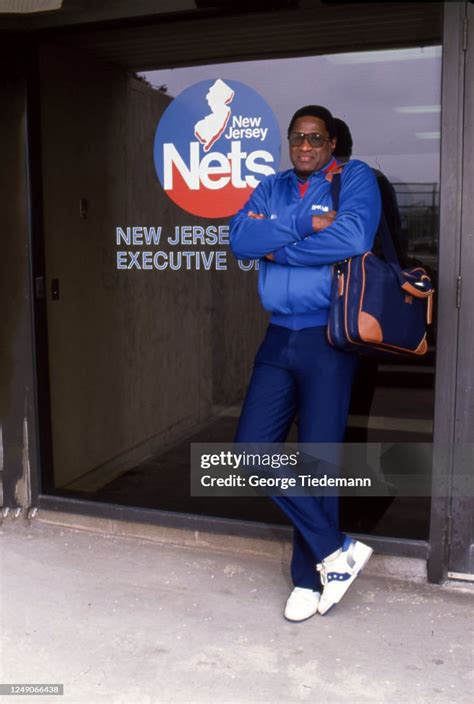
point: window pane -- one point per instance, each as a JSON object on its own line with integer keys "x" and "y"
{"x": 150, "y": 352}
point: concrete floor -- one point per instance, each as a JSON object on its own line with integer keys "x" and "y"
{"x": 123, "y": 620}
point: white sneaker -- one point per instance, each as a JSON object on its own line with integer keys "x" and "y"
{"x": 302, "y": 604}
{"x": 339, "y": 570}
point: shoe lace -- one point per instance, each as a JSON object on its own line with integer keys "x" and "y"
{"x": 323, "y": 573}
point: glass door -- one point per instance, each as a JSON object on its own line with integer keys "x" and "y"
{"x": 152, "y": 326}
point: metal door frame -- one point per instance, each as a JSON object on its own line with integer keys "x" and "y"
{"x": 452, "y": 199}
{"x": 461, "y": 535}
{"x": 452, "y": 146}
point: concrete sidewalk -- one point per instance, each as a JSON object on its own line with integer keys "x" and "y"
{"x": 124, "y": 620}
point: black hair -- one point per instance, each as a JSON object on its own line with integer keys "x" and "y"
{"x": 344, "y": 139}
{"x": 315, "y": 111}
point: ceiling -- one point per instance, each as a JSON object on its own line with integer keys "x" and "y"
{"x": 147, "y": 34}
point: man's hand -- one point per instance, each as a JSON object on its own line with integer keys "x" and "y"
{"x": 320, "y": 222}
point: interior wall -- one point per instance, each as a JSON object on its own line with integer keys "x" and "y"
{"x": 238, "y": 325}
{"x": 125, "y": 348}
{"x": 137, "y": 358}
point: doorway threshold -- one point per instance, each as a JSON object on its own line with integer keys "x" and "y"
{"x": 396, "y": 558}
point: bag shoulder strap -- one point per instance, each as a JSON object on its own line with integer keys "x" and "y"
{"x": 335, "y": 190}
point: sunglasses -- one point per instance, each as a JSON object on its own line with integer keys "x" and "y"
{"x": 314, "y": 139}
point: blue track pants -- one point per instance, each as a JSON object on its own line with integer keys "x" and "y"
{"x": 297, "y": 373}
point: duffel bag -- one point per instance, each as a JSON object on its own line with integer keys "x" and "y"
{"x": 376, "y": 306}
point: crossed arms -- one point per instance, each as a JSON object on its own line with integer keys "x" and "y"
{"x": 310, "y": 240}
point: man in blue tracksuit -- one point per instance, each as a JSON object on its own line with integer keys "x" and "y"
{"x": 290, "y": 226}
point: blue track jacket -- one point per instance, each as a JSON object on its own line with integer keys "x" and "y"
{"x": 296, "y": 286}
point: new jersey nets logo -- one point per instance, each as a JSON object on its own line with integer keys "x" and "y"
{"x": 213, "y": 145}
